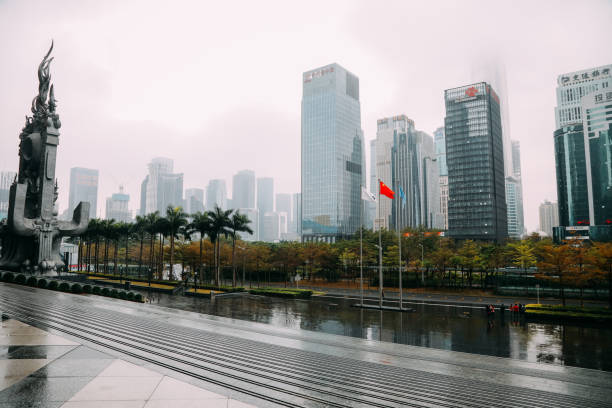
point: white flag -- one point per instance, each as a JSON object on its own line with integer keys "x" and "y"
{"x": 366, "y": 195}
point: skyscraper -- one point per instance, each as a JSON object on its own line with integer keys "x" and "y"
{"x": 333, "y": 163}
{"x": 549, "y": 217}
{"x": 415, "y": 174}
{"x": 387, "y": 129}
{"x": 243, "y": 189}
{"x": 265, "y": 194}
{"x": 6, "y": 179}
{"x": 216, "y": 194}
{"x": 253, "y": 216}
{"x": 117, "y": 207}
{"x": 194, "y": 200}
{"x": 283, "y": 204}
{"x": 475, "y": 160}
{"x": 163, "y": 187}
{"x": 370, "y": 207}
{"x": 83, "y": 187}
{"x": 571, "y": 156}
{"x": 440, "y": 145}
{"x": 514, "y": 186}
{"x": 296, "y": 214}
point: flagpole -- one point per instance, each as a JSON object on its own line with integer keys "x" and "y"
{"x": 399, "y": 238}
{"x": 380, "y": 272}
{"x": 361, "y": 248}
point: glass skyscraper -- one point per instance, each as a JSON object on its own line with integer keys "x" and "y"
{"x": 475, "y": 160}
{"x": 333, "y": 162}
{"x": 83, "y": 187}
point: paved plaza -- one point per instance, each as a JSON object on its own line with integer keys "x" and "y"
{"x": 65, "y": 350}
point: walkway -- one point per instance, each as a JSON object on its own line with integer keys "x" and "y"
{"x": 267, "y": 366}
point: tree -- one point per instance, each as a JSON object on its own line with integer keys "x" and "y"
{"x": 237, "y": 223}
{"x": 202, "y": 224}
{"x": 602, "y": 258}
{"x": 162, "y": 227}
{"x": 176, "y": 219}
{"x": 122, "y": 230}
{"x": 470, "y": 254}
{"x": 219, "y": 221}
{"x": 556, "y": 260}
{"x": 139, "y": 229}
{"x": 441, "y": 258}
{"x": 151, "y": 221}
{"x": 523, "y": 254}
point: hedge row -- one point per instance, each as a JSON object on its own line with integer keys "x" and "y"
{"x": 43, "y": 283}
{"x": 228, "y": 289}
{"x": 128, "y": 278}
{"x": 284, "y": 293}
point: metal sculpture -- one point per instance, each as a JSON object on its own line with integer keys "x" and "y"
{"x": 31, "y": 234}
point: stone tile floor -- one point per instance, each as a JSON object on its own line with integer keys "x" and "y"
{"x": 40, "y": 369}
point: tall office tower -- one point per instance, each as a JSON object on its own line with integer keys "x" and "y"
{"x": 597, "y": 120}
{"x": 164, "y": 188}
{"x": 83, "y": 187}
{"x": 516, "y": 159}
{"x": 243, "y": 189}
{"x": 194, "y": 200}
{"x": 6, "y": 179}
{"x": 143, "y": 196}
{"x": 253, "y": 216}
{"x": 283, "y": 204}
{"x": 333, "y": 162}
{"x": 270, "y": 227}
{"x": 440, "y": 145}
{"x": 296, "y": 213}
{"x": 117, "y": 207}
{"x": 216, "y": 195}
{"x": 265, "y": 195}
{"x": 513, "y": 195}
{"x": 569, "y": 140}
{"x": 386, "y": 132}
{"x": 370, "y": 207}
{"x": 475, "y": 160}
{"x": 415, "y": 173}
{"x": 549, "y": 217}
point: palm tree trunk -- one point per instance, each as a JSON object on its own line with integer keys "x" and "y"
{"x": 233, "y": 261}
{"x": 127, "y": 249}
{"x": 161, "y": 257}
{"x": 140, "y": 254}
{"x": 171, "y": 256}
{"x": 200, "y": 264}
{"x": 151, "y": 253}
{"x": 105, "y": 255}
{"x": 96, "y": 255}
{"x": 116, "y": 256}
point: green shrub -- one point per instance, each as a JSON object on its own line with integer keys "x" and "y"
{"x": 138, "y": 297}
{"x": 8, "y": 277}
{"x": 281, "y": 292}
{"x": 130, "y": 296}
{"x": 53, "y": 285}
{"x": 96, "y": 290}
{"x": 31, "y": 281}
{"x": 86, "y": 288}
{"x": 42, "y": 283}
{"x": 64, "y": 286}
{"x": 114, "y": 293}
{"x": 20, "y": 279}
{"x": 122, "y": 295}
{"x": 105, "y": 292}
{"x": 76, "y": 288}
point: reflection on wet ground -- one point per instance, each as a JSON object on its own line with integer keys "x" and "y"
{"x": 443, "y": 327}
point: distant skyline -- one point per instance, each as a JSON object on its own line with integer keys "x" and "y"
{"x": 217, "y": 87}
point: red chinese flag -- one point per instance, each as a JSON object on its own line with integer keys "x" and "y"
{"x": 386, "y": 191}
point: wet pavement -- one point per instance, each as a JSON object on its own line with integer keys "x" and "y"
{"x": 275, "y": 366}
{"x": 447, "y": 327}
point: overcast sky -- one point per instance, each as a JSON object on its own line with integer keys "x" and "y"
{"x": 217, "y": 86}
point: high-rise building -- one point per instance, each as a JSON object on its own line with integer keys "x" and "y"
{"x": 270, "y": 227}
{"x": 516, "y": 159}
{"x": 163, "y": 187}
{"x": 117, "y": 207}
{"x": 265, "y": 195}
{"x": 475, "y": 160}
{"x": 370, "y": 207}
{"x": 216, "y": 195}
{"x": 386, "y": 132}
{"x": 296, "y": 214}
{"x": 194, "y": 200}
{"x": 333, "y": 162}
{"x": 283, "y": 204}
{"x": 414, "y": 172}
{"x": 549, "y": 217}
{"x": 243, "y": 189}
{"x": 6, "y": 179}
{"x": 253, "y": 216}
{"x": 143, "y": 196}
{"x": 440, "y": 145}
{"x": 513, "y": 195}
{"x": 83, "y": 187}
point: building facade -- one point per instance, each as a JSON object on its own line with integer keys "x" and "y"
{"x": 296, "y": 214}
{"x": 6, "y": 179}
{"x": 253, "y": 215}
{"x": 194, "y": 200}
{"x": 549, "y": 217}
{"x": 216, "y": 194}
{"x": 440, "y": 146}
{"x": 283, "y": 204}
{"x": 243, "y": 189}
{"x": 162, "y": 187}
{"x": 516, "y": 217}
{"x": 83, "y": 187}
{"x": 117, "y": 207}
{"x": 475, "y": 160}
{"x": 333, "y": 163}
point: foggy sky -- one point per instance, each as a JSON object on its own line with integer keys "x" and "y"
{"x": 217, "y": 87}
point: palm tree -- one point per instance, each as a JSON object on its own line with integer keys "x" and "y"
{"x": 90, "y": 235}
{"x": 139, "y": 228}
{"x": 219, "y": 221}
{"x": 201, "y": 223}
{"x": 162, "y": 228}
{"x": 122, "y": 230}
{"x": 176, "y": 219}
{"x": 151, "y": 220}
{"x": 237, "y": 223}
{"x": 107, "y": 227}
